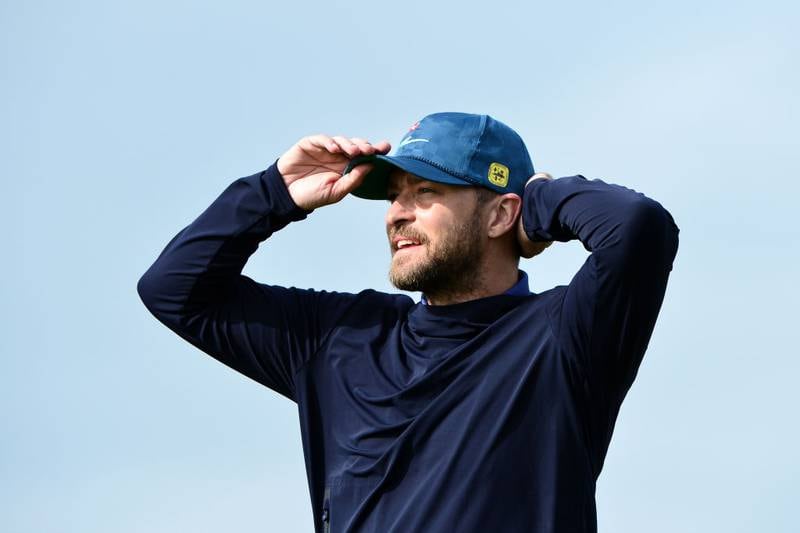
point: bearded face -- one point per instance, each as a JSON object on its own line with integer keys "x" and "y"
{"x": 445, "y": 259}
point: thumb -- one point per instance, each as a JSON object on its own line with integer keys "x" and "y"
{"x": 350, "y": 181}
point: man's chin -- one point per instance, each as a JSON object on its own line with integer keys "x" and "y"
{"x": 401, "y": 281}
{"x": 404, "y": 277}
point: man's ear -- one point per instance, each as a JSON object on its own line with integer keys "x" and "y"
{"x": 503, "y": 215}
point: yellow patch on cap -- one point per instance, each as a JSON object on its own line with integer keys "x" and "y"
{"x": 498, "y": 174}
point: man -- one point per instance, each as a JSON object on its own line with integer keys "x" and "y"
{"x": 484, "y": 407}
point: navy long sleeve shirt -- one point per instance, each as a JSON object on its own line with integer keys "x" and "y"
{"x": 489, "y": 415}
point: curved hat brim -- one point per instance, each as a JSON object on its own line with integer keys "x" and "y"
{"x": 376, "y": 182}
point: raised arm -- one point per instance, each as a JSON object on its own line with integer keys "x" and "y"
{"x": 609, "y": 309}
{"x": 196, "y": 288}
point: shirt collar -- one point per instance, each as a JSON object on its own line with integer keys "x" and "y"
{"x": 520, "y": 288}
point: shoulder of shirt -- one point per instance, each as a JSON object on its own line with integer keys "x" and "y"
{"x": 371, "y": 308}
{"x": 366, "y": 297}
{"x": 377, "y": 297}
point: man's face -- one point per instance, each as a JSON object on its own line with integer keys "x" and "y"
{"x": 435, "y": 235}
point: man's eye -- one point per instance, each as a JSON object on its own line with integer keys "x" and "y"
{"x": 426, "y": 189}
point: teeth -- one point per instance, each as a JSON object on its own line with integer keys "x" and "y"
{"x": 402, "y": 243}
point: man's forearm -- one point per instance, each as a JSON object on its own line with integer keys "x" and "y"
{"x": 198, "y": 265}
{"x": 602, "y": 216}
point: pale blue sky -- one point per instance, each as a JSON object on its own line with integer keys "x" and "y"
{"x": 122, "y": 121}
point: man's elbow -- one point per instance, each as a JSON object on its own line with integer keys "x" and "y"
{"x": 651, "y": 232}
{"x": 147, "y": 287}
{"x": 155, "y": 294}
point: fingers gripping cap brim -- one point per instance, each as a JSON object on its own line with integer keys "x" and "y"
{"x": 375, "y": 184}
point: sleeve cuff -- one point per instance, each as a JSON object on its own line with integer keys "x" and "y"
{"x": 276, "y": 186}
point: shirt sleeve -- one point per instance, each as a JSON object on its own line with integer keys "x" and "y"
{"x": 609, "y": 309}
{"x": 195, "y": 287}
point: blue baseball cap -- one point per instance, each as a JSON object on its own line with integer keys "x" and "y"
{"x": 453, "y": 148}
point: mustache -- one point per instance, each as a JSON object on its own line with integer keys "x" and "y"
{"x": 406, "y": 233}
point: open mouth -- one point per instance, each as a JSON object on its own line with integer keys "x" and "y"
{"x": 407, "y": 244}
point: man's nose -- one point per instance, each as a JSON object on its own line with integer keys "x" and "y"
{"x": 400, "y": 211}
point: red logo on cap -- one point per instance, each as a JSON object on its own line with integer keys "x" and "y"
{"x": 414, "y": 126}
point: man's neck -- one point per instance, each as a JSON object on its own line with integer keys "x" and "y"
{"x": 497, "y": 283}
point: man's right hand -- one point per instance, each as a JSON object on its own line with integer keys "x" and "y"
{"x": 312, "y": 168}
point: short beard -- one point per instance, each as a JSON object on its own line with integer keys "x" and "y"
{"x": 452, "y": 269}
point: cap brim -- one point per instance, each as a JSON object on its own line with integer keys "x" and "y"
{"x": 376, "y": 182}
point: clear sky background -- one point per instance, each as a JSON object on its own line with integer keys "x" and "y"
{"x": 121, "y": 121}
